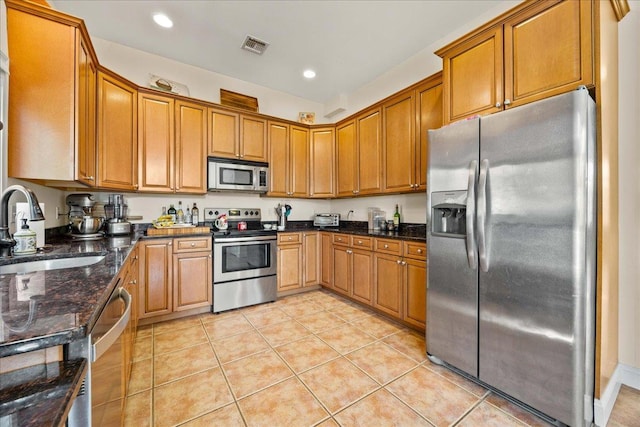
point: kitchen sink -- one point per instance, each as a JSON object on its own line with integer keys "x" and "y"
{"x": 50, "y": 264}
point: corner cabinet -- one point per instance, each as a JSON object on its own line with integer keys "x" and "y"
{"x": 540, "y": 50}
{"x": 322, "y": 163}
{"x": 288, "y": 160}
{"x": 117, "y": 133}
{"x": 52, "y": 81}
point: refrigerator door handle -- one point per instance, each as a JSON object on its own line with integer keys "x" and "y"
{"x": 470, "y": 216}
{"x": 482, "y": 215}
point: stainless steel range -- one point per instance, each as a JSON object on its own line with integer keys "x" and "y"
{"x": 244, "y": 259}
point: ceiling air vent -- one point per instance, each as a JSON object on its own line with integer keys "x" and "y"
{"x": 254, "y": 45}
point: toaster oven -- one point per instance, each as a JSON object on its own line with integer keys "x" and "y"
{"x": 326, "y": 220}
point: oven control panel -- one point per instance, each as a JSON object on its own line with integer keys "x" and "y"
{"x": 233, "y": 214}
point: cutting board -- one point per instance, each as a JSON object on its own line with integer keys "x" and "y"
{"x": 170, "y": 231}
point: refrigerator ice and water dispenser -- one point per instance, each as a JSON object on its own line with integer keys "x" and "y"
{"x": 449, "y": 213}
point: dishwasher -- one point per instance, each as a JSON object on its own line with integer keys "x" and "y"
{"x": 101, "y": 399}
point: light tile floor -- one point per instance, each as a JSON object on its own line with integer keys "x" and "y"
{"x": 312, "y": 359}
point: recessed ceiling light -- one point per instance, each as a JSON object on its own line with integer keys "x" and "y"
{"x": 309, "y": 74}
{"x": 163, "y": 20}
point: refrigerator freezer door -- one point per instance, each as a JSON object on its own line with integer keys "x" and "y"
{"x": 452, "y": 303}
{"x": 536, "y": 294}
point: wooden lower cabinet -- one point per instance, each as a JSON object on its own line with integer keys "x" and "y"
{"x": 388, "y": 284}
{"x": 361, "y": 268}
{"x": 342, "y": 269}
{"x": 298, "y": 260}
{"x": 415, "y": 292}
{"x": 326, "y": 263}
{"x": 175, "y": 275}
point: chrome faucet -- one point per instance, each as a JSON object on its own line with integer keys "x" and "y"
{"x": 6, "y": 241}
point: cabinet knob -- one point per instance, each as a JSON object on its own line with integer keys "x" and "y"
{"x": 241, "y": 155}
{"x": 170, "y": 244}
{"x": 353, "y": 191}
{"x": 404, "y": 263}
{"x": 507, "y": 102}
{"x": 498, "y": 105}
{"x": 89, "y": 178}
{"x": 386, "y": 246}
{"x": 398, "y": 262}
{"x": 193, "y": 244}
{"x": 210, "y": 256}
{"x": 419, "y": 251}
{"x": 359, "y": 242}
{"x": 349, "y": 251}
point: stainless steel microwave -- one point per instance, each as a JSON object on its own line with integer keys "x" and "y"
{"x": 237, "y": 175}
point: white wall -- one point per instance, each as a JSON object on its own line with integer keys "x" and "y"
{"x": 136, "y": 66}
{"x": 629, "y": 177}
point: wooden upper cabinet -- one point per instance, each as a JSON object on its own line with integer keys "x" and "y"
{"x": 253, "y": 138}
{"x": 299, "y": 162}
{"x": 472, "y": 76}
{"x": 224, "y": 133}
{"x": 191, "y": 147}
{"x": 156, "y": 158}
{"x": 51, "y": 112}
{"x": 237, "y": 136}
{"x": 346, "y": 159}
{"x": 117, "y": 133}
{"x": 278, "y": 134}
{"x": 399, "y": 143}
{"x": 369, "y": 136}
{"x": 540, "y": 50}
{"x": 548, "y": 50}
{"x": 322, "y": 161}
{"x": 87, "y": 87}
{"x": 428, "y": 116}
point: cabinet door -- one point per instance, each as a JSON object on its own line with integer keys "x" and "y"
{"x": 289, "y": 267}
{"x": 117, "y": 134}
{"x": 369, "y": 152}
{"x": 429, "y": 115}
{"x": 322, "y": 156}
{"x": 362, "y": 268}
{"x": 299, "y": 162}
{"x": 415, "y": 292}
{"x": 472, "y": 76}
{"x": 342, "y": 269}
{"x": 253, "y": 139}
{"x": 326, "y": 275}
{"x": 224, "y": 133}
{"x": 399, "y": 143}
{"x": 387, "y": 279}
{"x": 156, "y": 144}
{"x": 548, "y": 50}
{"x": 86, "y": 160}
{"x": 278, "y": 159}
{"x": 311, "y": 258}
{"x": 192, "y": 284}
{"x": 346, "y": 160}
{"x": 191, "y": 151}
{"x": 155, "y": 278}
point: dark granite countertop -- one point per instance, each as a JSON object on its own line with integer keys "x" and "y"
{"x": 47, "y": 308}
{"x": 41, "y": 395}
{"x": 416, "y": 232}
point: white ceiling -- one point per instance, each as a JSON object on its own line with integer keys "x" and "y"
{"x": 348, "y": 43}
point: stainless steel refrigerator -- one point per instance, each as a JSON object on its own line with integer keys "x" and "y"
{"x": 511, "y": 252}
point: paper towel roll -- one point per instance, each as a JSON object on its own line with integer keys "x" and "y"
{"x": 22, "y": 211}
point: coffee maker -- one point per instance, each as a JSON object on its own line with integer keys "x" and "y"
{"x": 116, "y": 213}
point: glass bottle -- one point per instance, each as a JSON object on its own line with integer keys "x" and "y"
{"x": 195, "y": 215}
{"x": 180, "y": 213}
{"x": 172, "y": 212}
{"x": 396, "y": 219}
{"x": 187, "y": 216}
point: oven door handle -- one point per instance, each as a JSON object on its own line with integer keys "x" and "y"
{"x": 221, "y": 240}
{"x": 105, "y": 341}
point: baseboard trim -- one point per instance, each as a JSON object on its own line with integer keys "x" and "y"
{"x": 623, "y": 374}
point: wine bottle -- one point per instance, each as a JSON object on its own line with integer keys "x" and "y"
{"x": 396, "y": 220}
{"x": 172, "y": 212}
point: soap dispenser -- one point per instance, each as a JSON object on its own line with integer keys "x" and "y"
{"x": 25, "y": 240}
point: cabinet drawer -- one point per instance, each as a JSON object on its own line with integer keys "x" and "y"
{"x": 393, "y": 247}
{"x": 289, "y": 239}
{"x": 192, "y": 244}
{"x": 415, "y": 250}
{"x": 361, "y": 242}
{"x": 341, "y": 239}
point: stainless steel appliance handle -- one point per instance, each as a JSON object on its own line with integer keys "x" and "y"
{"x": 482, "y": 215}
{"x": 471, "y": 214}
{"x": 220, "y": 240}
{"x": 105, "y": 341}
